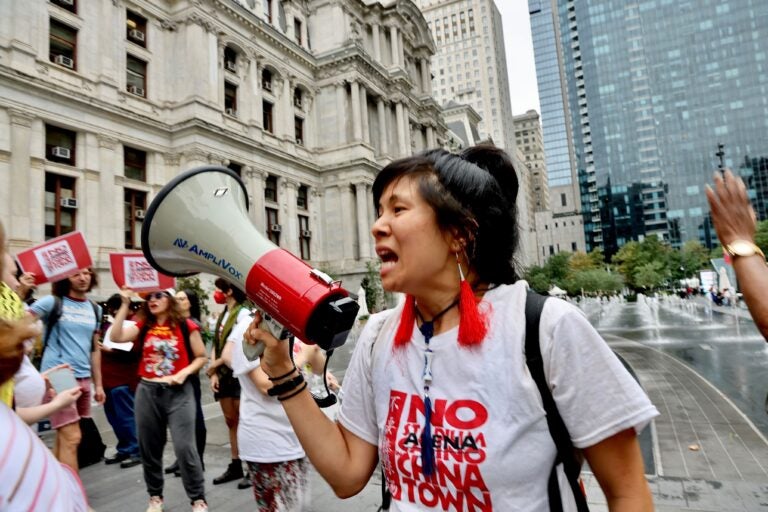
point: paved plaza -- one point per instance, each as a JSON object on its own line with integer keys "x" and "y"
{"x": 705, "y": 452}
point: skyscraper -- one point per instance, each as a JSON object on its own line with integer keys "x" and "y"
{"x": 649, "y": 90}
{"x": 470, "y": 64}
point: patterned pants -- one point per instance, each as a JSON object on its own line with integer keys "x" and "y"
{"x": 280, "y": 486}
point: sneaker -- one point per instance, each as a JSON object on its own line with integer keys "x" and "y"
{"x": 133, "y": 460}
{"x": 234, "y": 472}
{"x": 199, "y": 506}
{"x": 116, "y": 458}
{"x": 245, "y": 483}
{"x": 156, "y": 504}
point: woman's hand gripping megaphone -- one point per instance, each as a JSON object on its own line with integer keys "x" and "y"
{"x": 260, "y": 342}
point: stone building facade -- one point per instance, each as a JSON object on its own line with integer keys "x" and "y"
{"x": 102, "y": 103}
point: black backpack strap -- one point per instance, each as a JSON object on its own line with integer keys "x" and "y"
{"x": 534, "y": 305}
{"x": 52, "y": 320}
{"x": 99, "y": 319}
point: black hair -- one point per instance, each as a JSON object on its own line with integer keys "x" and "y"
{"x": 194, "y": 303}
{"x": 472, "y": 194}
{"x": 62, "y": 287}
{"x": 225, "y": 286}
{"x": 113, "y": 303}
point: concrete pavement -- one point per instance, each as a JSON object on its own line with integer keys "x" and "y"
{"x": 707, "y": 455}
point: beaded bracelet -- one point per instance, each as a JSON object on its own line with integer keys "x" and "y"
{"x": 285, "y": 387}
{"x": 284, "y": 398}
{"x": 273, "y": 379}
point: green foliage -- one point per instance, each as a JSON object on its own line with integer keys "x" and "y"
{"x": 761, "y": 235}
{"x": 634, "y": 258}
{"x": 594, "y": 281}
{"x": 371, "y": 283}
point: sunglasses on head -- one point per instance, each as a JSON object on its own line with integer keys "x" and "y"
{"x": 156, "y": 295}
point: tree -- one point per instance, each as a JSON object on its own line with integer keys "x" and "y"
{"x": 581, "y": 261}
{"x": 761, "y": 236}
{"x": 374, "y": 292}
{"x": 538, "y": 279}
{"x": 594, "y": 281}
{"x": 649, "y": 276}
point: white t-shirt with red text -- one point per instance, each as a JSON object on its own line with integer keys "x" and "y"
{"x": 493, "y": 449}
{"x": 31, "y": 478}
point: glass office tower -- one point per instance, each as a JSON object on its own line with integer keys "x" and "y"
{"x": 658, "y": 85}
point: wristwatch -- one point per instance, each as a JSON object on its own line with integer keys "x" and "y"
{"x": 743, "y": 248}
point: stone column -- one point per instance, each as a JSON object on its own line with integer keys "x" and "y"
{"x": 345, "y": 196}
{"x": 383, "y": 139}
{"x": 364, "y": 115}
{"x": 400, "y": 129}
{"x": 20, "y": 191}
{"x": 341, "y": 110}
{"x": 111, "y": 211}
{"x": 426, "y": 80}
{"x": 376, "y": 43}
{"x": 253, "y": 97}
{"x": 431, "y": 143}
{"x": 356, "y": 128}
{"x": 289, "y": 26}
{"x": 393, "y": 39}
{"x": 400, "y": 49}
{"x": 256, "y": 182}
{"x": 290, "y": 236}
{"x": 363, "y": 228}
{"x": 275, "y": 14}
{"x": 219, "y": 74}
{"x": 407, "y": 129}
{"x": 288, "y": 131}
{"x": 304, "y": 33}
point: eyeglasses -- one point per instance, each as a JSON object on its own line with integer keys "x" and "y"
{"x": 157, "y": 295}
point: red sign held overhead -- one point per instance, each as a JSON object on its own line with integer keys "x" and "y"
{"x": 56, "y": 259}
{"x": 134, "y": 271}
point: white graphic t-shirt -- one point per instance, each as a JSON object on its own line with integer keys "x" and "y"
{"x": 493, "y": 450}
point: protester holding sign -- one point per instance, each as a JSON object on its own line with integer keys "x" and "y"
{"x": 71, "y": 337}
{"x": 172, "y": 351}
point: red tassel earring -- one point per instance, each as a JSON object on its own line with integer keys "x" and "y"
{"x": 473, "y": 325}
{"x": 407, "y": 320}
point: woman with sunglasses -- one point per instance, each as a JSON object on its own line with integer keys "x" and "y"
{"x": 172, "y": 351}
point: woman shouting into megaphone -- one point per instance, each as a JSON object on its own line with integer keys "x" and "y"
{"x": 440, "y": 390}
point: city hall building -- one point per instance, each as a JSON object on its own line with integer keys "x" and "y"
{"x": 103, "y": 102}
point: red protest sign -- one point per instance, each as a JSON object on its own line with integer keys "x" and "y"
{"x": 57, "y": 258}
{"x": 134, "y": 271}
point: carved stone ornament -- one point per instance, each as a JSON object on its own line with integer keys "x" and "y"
{"x": 168, "y": 25}
{"x": 107, "y": 142}
{"x": 172, "y": 159}
{"x": 21, "y": 118}
{"x": 197, "y": 19}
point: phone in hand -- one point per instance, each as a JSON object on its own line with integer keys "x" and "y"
{"x": 62, "y": 379}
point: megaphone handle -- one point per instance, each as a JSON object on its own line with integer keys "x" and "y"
{"x": 271, "y": 326}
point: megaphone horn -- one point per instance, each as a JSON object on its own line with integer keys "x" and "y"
{"x": 199, "y": 222}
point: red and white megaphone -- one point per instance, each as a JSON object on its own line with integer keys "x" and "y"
{"x": 199, "y": 222}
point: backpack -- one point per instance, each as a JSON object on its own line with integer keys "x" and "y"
{"x": 566, "y": 452}
{"x": 91, "y": 448}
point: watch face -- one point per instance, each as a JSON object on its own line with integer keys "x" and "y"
{"x": 742, "y": 248}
